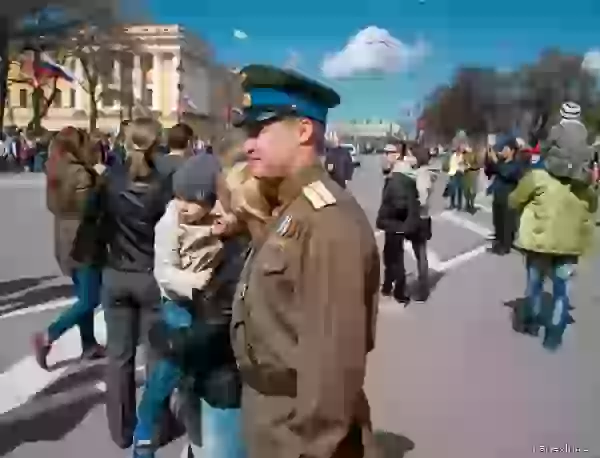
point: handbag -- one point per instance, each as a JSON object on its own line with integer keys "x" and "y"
{"x": 422, "y": 232}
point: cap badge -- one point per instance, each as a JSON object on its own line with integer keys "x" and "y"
{"x": 247, "y": 101}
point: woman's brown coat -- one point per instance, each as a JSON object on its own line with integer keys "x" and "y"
{"x": 70, "y": 190}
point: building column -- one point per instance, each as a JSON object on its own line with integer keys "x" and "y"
{"x": 137, "y": 79}
{"x": 176, "y": 79}
{"x": 157, "y": 70}
{"x": 117, "y": 69}
{"x": 79, "y": 90}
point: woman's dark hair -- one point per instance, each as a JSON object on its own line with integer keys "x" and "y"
{"x": 421, "y": 155}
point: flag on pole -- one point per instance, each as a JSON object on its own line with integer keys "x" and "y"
{"x": 49, "y": 68}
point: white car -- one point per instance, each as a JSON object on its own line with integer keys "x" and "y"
{"x": 353, "y": 153}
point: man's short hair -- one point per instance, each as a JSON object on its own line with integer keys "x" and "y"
{"x": 179, "y": 136}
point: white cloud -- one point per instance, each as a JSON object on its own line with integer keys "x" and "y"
{"x": 591, "y": 61}
{"x": 293, "y": 59}
{"x": 240, "y": 34}
{"x": 372, "y": 50}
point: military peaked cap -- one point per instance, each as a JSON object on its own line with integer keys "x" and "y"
{"x": 272, "y": 92}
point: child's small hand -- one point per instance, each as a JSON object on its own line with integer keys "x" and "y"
{"x": 224, "y": 225}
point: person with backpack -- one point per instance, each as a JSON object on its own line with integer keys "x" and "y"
{"x": 556, "y": 227}
{"x": 398, "y": 215}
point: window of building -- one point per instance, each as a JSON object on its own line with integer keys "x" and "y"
{"x": 23, "y": 98}
{"x": 72, "y": 99}
{"x": 57, "y": 102}
{"x": 147, "y": 100}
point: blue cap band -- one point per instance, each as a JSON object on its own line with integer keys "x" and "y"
{"x": 271, "y": 98}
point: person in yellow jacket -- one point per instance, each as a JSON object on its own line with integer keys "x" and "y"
{"x": 456, "y": 170}
{"x": 556, "y": 227}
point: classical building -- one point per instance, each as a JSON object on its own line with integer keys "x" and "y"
{"x": 171, "y": 74}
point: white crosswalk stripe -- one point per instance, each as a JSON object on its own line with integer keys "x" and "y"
{"x": 23, "y": 381}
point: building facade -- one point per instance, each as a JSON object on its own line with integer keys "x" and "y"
{"x": 168, "y": 73}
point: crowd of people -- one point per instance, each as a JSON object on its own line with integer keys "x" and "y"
{"x": 25, "y": 150}
{"x": 250, "y": 275}
{"x": 544, "y": 200}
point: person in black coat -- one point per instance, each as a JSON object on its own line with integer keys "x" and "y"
{"x": 338, "y": 163}
{"x": 505, "y": 166}
{"x": 398, "y": 217}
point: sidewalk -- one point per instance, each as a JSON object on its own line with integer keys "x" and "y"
{"x": 23, "y": 179}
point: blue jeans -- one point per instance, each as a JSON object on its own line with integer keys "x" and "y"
{"x": 222, "y": 435}
{"x": 456, "y": 190}
{"x": 163, "y": 379}
{"x": 559, "y": 269}
{"x": 87, "y": 282}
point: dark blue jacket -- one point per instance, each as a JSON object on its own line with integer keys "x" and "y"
{"x": 506, "y": 176}
{"x": 338, "y": 163}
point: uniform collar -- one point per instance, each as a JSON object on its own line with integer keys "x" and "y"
{"x": 291, "y": 187}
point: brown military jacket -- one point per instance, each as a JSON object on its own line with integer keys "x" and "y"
{"x": 304, "y": 321}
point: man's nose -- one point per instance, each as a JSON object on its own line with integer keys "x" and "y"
{"x": 249, "y": 145}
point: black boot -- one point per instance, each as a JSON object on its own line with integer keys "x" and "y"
{"x": 553, "y": 337}
{"x": 386, "y": 289}
{"x": 524, "y": 322}
{"x": 422, "y": 293}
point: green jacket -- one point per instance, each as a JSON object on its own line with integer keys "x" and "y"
{"x": 557, "y": 217}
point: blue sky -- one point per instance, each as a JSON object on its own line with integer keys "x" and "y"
{"x": 500, "y": 34}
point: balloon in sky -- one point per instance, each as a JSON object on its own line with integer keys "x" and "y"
{"x": 240, "y": 34}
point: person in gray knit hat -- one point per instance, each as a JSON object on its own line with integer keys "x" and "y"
{"x": 188, "y": 249}
{"x": 566, "y": 151}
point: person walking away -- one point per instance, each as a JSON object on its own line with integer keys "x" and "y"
{"x": 187, "y": 252}
{"x": 556, "y": 228}
{"x": 456, "y": 169}
{"x": 71, "y": 187}
{"x": 338, "y": 163}
{"x": 304, "y": 315}
{"x": 118, "y": 153}
{"x": 506, "y": 170}
{"x": 134, "y": 199}
{"x": 424, "y": 180}
{"x": 398, "y": 216}
{"x": 179, "y": 144}
{"x": 471, "y": 178}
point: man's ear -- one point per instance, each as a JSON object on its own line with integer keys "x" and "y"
{"x": 306, "y": 130}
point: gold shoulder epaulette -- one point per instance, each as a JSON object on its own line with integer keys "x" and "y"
{"x": 318, "y": 195}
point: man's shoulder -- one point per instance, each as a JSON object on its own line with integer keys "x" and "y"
{"x": 328, "y": 208}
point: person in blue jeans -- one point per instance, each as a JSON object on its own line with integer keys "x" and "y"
{"x": 71, "y": 188}
{"x": 556, "y": 227}
{"x": 188, "y": 252}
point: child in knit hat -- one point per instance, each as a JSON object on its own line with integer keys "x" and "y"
{"x": 186, "y": 254}
{"x": 191, "y": 241}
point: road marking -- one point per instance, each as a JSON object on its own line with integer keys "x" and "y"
{"x": 25, "y": 379}
{"x": 43, "y": 307}
{"x": 464, "y": 223}
{"x": 462, "y": 258}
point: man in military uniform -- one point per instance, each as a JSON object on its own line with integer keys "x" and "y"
{"x": 305, "y": 311}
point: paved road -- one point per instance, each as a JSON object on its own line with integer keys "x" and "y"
{"x": 448, "y": 378}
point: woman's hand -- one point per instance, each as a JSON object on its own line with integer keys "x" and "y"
{"x": 99, "y": 168}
